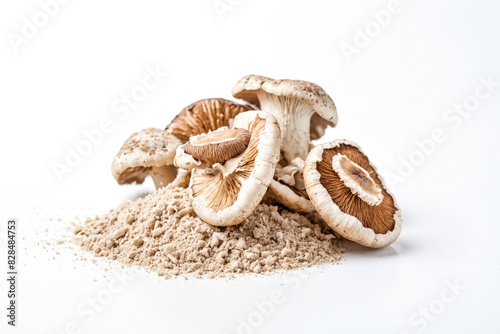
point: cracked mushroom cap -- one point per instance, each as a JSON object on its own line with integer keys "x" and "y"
{"x": 227, "y": 191}
{"x": 204, "y": 116}
{"x": 289, "y": 188}
{"x": 350, "y": 196}
{"x": 147, "y": 152}
{"x": 293, "y": 103}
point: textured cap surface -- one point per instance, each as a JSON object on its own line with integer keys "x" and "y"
{"x": 144, "y": 149}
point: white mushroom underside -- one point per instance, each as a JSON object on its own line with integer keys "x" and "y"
{"x": 294, "y": 118}
{"x": 346, "y": 225}
{"x": 372, "y": 197}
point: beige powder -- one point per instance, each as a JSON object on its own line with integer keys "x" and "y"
{"x": 162, "y": 233}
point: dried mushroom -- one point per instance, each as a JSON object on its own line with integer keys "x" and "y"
{"x": 147, "y": 152}
{"x": 350, "y": 196}
{"x": 225, "y": 190}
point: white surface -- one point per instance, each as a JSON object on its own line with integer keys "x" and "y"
{"x": 394, "y": 92}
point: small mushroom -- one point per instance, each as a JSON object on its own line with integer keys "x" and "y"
{"x": 293, "y": 103}
{"x": 225, "y": 190}
{"x": 147, "y": 152}
{"x": 289, "y": 188}
{"x": 350, "y": 196}
{"x": 218, "y": 146}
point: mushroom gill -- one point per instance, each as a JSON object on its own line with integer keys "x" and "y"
{"x": 203, "y": 116}
{"x": 220, "y": 190}
{"x": 371, "y": 216}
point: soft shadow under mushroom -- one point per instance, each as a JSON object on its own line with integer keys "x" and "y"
{"x": 356, "y": 249}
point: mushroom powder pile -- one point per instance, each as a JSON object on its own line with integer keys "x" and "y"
{"x": 162, "y": 233}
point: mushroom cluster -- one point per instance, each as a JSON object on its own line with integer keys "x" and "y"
{"x": 230, "y": 155}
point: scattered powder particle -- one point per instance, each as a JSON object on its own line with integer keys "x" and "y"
{"x": 162, "y": 233}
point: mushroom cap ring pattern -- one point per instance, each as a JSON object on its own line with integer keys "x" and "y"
{"x": 342, "y": 208}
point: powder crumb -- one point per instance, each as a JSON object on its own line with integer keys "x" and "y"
{"x": 137, "y": 242}
{"x": 120, "y": 233}
{"x": 162, "y": 233}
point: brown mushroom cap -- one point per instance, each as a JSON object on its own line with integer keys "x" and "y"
{"x": 293, "y": 103}
{"x": 350, "y": 196}
{"x": 147, "y": 152}
{"x": 218, "y": 146}
{"x": 204, "y": 116}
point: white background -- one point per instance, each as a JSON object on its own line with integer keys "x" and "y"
{"x": 392, "y": 94}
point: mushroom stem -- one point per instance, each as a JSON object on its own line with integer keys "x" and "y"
{"x": 294, "y": 118}
{"x": 357, "y": 179}
{"x": 217, "y": 166}
{"x": 182, "y": 179}
{"x": 163, "y": 175}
